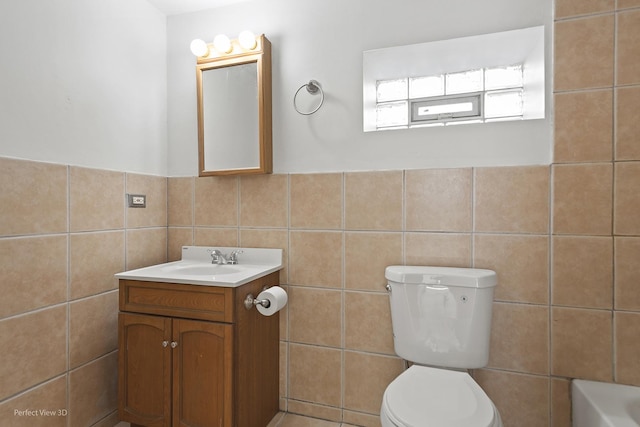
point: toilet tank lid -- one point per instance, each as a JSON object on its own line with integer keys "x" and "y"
{"x": 445, "y": 276}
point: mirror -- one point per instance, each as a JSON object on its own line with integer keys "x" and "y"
{"x": 234, "y": 110}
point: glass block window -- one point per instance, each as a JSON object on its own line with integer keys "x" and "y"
{"x": 471, "y": 96}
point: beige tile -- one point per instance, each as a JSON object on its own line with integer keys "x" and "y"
{"x": 94, "y": 259}
{"x": 315, "y": 374}
{"x": 628, "y": 48}
{"x": 145, "y": 247}
{"x": 430, "y": 208}
{"x": 373, "y": 200}
{"x": 293, "y": 420}
{"x": 215, "y": 236}
{"x": 216, "y": 201}
{"x": 368, "y": 322}
{"x": 366, "y": 257}
{"x": 264, "y": 201}
{"x": 284, "y": 363}
{"x": 567, "y": 8}
{"x": 316, "y": 201}
{"x": 315, "y": 258}
{"x": 177, "y": 237}
{"x": 583, "y": 53}
{"x": 93, "y": 328}
{"x": 582, "y": 199}
{"x": 627, "y": 348}
{"x": 624, "y": 4}
{"x": 284, "y": 316}
{"x": 512, "y": 199}
{"x": 51, "y": 396}
{"x": 45, "y": 210}
{"x": 322, "y": 412}
{"x": 265, "y": 238}
{"x": 520, "y": 338}
{"x": 97, "y": 199}
{"x": 360, "y": 419}
{"x": 155, "y": 212}
{"x": 110, "y": 420}
{"x": 560, "y": 402}
{"x": 627, "y": 273}
{"x": 521, "y": 263}
{"x": 315, "y": 316}
{"x": 583, "y": 271}
{"x": 627, "y": 123}
{"x": 627, "y": 198}
{"x": 34, "y": 273}
{"x": 275, "y": 421}
{"x": 93, "y": 391}
{"x": 583, "y": 126}
{"x": 436, "y": 249}
{"x": 581, "y": 344}
{"x": 24, "y": 363}
{"x": 180, "y": 195}
{"x": 522, "y": 400}
{"x": 366, "y": 376}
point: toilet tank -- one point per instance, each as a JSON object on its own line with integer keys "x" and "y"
{"x": 441, "y": 316}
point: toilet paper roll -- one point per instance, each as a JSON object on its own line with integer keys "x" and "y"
{"x": 277, "y": 298}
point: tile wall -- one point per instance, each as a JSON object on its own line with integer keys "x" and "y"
{"x": 64, "y": 232}
{"x": 564, "y": 239}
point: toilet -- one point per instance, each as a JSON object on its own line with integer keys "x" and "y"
{"x": 441, "y": 319}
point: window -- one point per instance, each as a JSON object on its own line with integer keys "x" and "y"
{"x": 478, "y": 95}
{"x": 478, "y": 79}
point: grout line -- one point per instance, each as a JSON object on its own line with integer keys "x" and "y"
{"x": 68, "y": 306}
{"x": 473, "y": 215}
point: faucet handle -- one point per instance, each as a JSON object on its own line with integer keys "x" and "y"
{"x": 215, "y": 256}
{"x": 233, "y": 257}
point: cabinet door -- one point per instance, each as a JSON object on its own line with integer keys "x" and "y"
{"x": 203, "y": 369}
{"x": 144, "y": 366}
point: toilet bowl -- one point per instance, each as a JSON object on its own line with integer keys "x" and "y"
{"x": 432, "y": 397}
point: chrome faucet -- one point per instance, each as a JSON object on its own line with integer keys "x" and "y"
{"x": 219, "y": 258}
{"x": 233, "y": 257}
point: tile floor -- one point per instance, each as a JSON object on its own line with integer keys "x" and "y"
{"x": 288, "y": 420}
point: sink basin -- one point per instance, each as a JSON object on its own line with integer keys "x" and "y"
{"x": 196, "y": 268}
{"x": 203, "y": 270}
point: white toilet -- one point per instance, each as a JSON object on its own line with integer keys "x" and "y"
{"x": 441, "y": 320}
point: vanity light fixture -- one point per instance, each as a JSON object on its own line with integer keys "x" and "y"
{"x": 222, "y": 45}
{"x": 199, "y": 47}
{"x": 247, "y": 40}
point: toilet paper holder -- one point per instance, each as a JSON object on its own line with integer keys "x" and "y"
{"x": 250, "y": 301}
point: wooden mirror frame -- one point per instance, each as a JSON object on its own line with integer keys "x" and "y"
{"x": 261, "y": 55}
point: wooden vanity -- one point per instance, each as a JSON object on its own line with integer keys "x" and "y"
{"x": 193, "y": 355}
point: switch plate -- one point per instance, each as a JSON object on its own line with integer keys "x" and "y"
{"x": 137, "y": 200}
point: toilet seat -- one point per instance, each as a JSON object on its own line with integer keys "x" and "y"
{"x": 432, "y": 397}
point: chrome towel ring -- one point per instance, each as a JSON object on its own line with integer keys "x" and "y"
{"x": 313, "y": 88}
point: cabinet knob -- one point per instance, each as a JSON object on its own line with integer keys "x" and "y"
{"x": 165, "y": 343}
{"x": 174, "y": 344}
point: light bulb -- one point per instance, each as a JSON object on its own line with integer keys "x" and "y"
{"x": 199, "y": 48}
{"x": 247, "y": 40}
{"x": 222, "y": 43}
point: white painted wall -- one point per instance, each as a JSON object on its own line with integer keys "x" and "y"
{"x": 84, "y": 83}
{"x": 324, "y": 41}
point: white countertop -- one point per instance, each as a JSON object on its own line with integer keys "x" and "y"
{"x": 195, "y": 267}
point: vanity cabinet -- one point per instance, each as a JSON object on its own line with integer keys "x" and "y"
{"x": 193, "y": 355}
